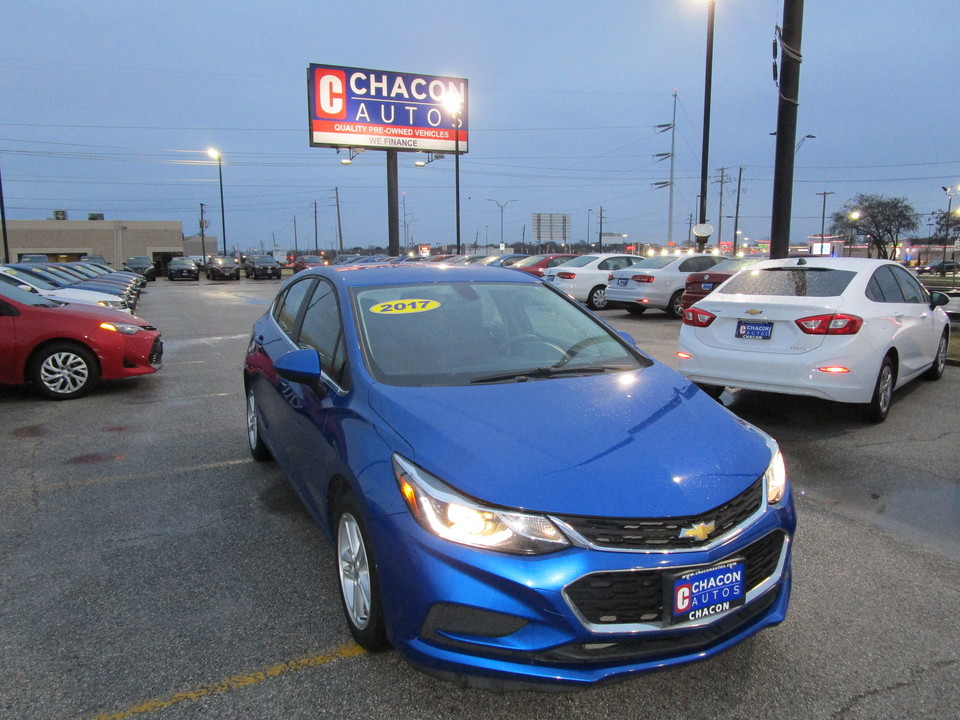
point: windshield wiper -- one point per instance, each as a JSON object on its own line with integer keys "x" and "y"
{"x": 539, "y": 373}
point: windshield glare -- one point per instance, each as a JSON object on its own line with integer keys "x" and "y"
{"x": 455, "y": 333}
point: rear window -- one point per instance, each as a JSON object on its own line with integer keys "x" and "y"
{"x": 789, "y": 282}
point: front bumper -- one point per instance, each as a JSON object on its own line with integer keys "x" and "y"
{"x": 552, "y": 620}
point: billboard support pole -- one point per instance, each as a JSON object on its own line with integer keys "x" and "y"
{"x": 393, "y": 203}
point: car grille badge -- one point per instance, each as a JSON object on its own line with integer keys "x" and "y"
{"x": 754, "y": 312}
{"x": 698, "y": 531}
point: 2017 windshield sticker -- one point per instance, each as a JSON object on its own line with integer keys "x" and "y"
{"x": 395, "y": 307}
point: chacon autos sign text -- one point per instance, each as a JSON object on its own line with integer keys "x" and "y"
{"x": 382, "y": 110}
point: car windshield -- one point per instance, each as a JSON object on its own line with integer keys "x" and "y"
{"x": 310, "y": 259}
{"x": 183, "y": 262}
{"x": 789, "y": 281}
{"x": 140, "y": 259}
{"x": 26, "y": 298}
{"x": 579, "y": 261}
{"x": 458, "y": 333}
{"x": 528, "y": 261}
{"x": 654, "y": 263}
{"x": 223, "y": 261}
{"x": 30, "y": 279}
{"x": 732, "y": 265}
{"x": 263, "y": 260}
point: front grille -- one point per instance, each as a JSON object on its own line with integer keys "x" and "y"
{"x": 662, "y": 646}
{"x": 664, "y": 533}
{"x": 636, "y": 596}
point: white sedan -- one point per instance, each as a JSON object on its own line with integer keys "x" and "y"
{"x": 849, "y": 330}
{"x": 656, "y": 282}
{"x": 584, "y": 278}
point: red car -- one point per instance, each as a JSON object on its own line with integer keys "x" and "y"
{"x": 307, "y": 261}
{"x": 536, "y": 264}
{"x": 65, "y": 349}
{"x": 700, "y": 284}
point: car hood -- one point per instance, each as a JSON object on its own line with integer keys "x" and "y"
{"x": 641, "y": 444}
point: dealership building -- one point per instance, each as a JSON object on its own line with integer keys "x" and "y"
{"x": 116, "y": 240}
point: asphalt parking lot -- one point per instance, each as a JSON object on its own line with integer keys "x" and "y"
{"x": 150, "y": 569}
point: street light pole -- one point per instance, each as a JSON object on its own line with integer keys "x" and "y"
{"x": 707, "y": 91}
{"x": 501, "y": 206}
{"x": 214, "y": 153}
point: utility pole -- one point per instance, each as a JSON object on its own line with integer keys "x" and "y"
{"x": 600, "y": 234}
{"x": 789, "y": 37}
{"x": 3, "y": 224}
{"x": 723, "y": 181}
{"x": 736, "y": 215}
{"x": 823, "y": 215}
{"x": 336, "y": 192}
{"x": 316, "y": 234}
{"x": 673, "y": 138}
{"x": 203, "y": 243}
{"x": 296, "y": 247}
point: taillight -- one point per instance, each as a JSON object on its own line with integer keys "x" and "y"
{"x": 643, "y": 278}
{"x": 835, "y": 324}
{"x": 566, "y": 275}
{"x": 697, "y": 318}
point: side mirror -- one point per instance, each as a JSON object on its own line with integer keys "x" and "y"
{"x": 301, "y": 366}
{"x": 938, "y": 299}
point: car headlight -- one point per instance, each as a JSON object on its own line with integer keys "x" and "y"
{"x": 123, "y": 328}
{"x": 776, "y": 478}
{"x": 113, "y": 304}
{"x": 442, "y": 511}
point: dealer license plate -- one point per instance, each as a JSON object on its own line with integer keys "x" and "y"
{"x": 621, "y": 281}
{"x": 702, "y": 593}
{"x": 707, "y": 286}
{"x": 749, "y": 330}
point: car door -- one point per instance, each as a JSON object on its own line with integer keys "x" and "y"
{"x": 311, "y": 443}
{"x": 921, "y": 328}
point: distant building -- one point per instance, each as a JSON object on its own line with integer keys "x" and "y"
{"x": 115, "y": 240}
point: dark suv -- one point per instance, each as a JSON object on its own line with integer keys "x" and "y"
{"x": 142, "y": 265}
{"x": 223, "y": 268}
{"x": 261, "y": 266}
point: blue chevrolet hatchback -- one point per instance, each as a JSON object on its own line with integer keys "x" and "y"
{"x": 509, "y": 483}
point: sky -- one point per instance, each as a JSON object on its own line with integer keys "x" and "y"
{"x": 109, "y": 107}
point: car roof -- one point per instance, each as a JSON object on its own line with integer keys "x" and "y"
{"x": 415, "y": 273}
{"x": 836, "y": 263}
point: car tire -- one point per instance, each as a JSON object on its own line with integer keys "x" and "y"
{"x": 597, "y": 298}
{"x": 879, "y": 406}
{"x": 675, "y": 307}
{"x": 635, "y": 309}
{"x": 935, "y": 371}
{"x": 357, "y": 574}
{"x": 64, "y": 371}
{"x": 258, "y": 449}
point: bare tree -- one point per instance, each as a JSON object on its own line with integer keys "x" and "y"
{"x": 883, "y": 220}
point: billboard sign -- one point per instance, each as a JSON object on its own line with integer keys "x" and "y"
{"x": 383, "y": 110}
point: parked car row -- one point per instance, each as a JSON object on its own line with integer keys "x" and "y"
{"x": 77, "y": 282}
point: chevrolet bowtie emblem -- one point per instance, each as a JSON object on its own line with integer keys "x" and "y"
{"x": 754, "y": 312}
{"x": 700, "y": 531}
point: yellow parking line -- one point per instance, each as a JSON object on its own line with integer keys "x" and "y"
{"x": 236, "y": 681}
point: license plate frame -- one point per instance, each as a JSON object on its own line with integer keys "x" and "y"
{"x": 754, "y": 330}
{"x": 703, "y": 592}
